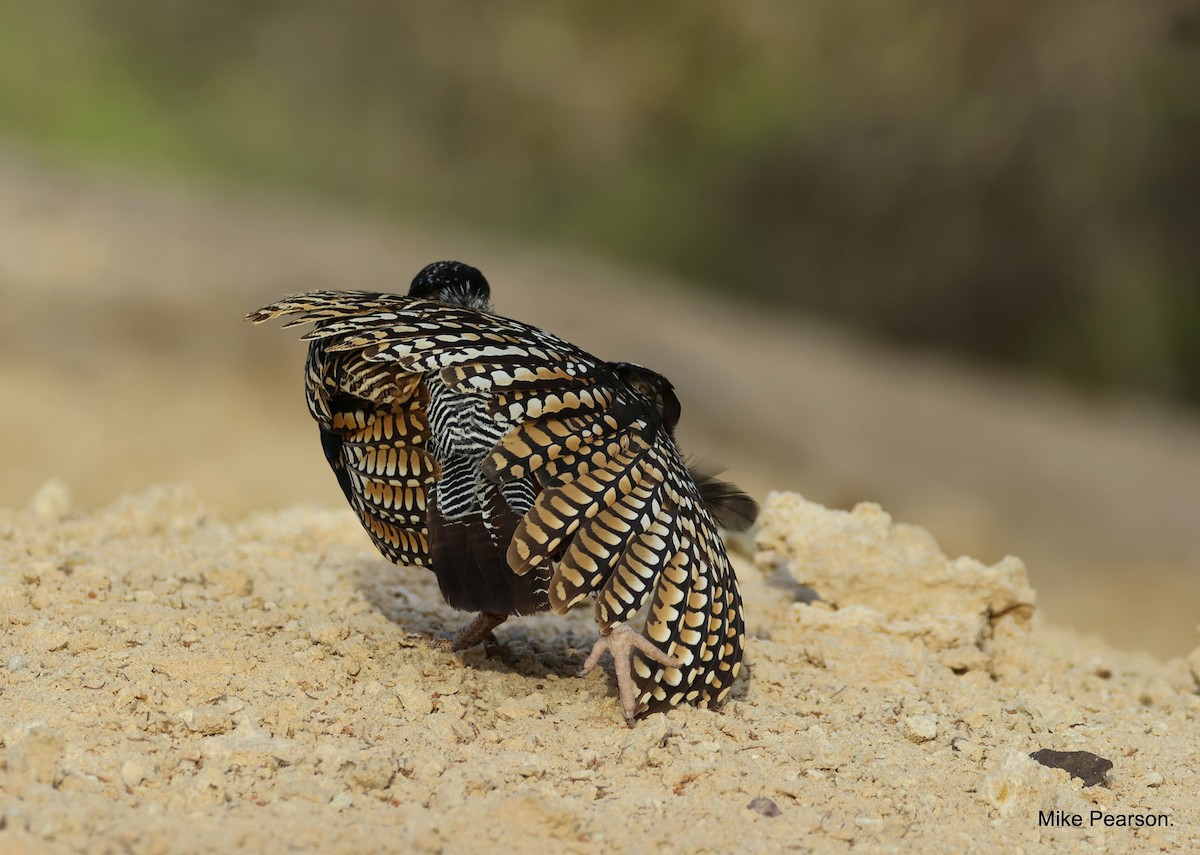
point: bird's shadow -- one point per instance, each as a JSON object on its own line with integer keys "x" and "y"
{"x": 534, "y": 646}
{"x": 782, "y": 579}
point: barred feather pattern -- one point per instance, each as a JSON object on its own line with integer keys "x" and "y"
{"x": 607, "y": 506}
{"x": 375, "y": 435}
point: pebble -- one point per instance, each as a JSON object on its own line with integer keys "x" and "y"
{"x": 137, "y": 769}
{"x": 525, "y": 707}
{"x": 427, "y": 769}
{"x": 764, "y": 806}
{"x": 920, "y": 728}
{"x": 52, "y": 502}
{"x": 971, "y": 750}
{"x": 207, "y": 720}
{"x": 415, "y": 701}
{"x": 1090, "y": 768}
{"x": 373, "y": 772}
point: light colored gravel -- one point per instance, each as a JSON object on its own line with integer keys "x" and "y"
{"x": 177, "y": 683}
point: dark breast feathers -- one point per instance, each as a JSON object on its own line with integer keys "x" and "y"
{"x": 528, "y": 475}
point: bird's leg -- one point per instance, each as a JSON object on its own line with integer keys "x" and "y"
{"x": 621, "y": 642}
{"x": 476, "y": 631}
{"x": 473, "y": 633}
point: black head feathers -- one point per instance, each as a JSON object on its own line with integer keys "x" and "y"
{"x": 454, "y": 283}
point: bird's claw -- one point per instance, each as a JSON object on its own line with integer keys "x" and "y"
{"x": 621, "y": 642}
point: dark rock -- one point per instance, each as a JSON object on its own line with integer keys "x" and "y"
{"x": 766, "y": 807}
{"x": 1090, "y": 768}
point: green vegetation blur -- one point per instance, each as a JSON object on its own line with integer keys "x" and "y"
{"x": 1014, "y": 180}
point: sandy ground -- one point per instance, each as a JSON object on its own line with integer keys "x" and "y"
{"x": 227, "y": 665}
{"x": 175, "y": 683}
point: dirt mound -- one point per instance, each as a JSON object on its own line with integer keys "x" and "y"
{"x": 175, "y": 682}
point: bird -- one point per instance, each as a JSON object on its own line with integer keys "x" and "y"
{"x": 529, "y": 476}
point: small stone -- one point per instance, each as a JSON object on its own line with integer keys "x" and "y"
{"x": 304, "y": 789}
{"x": 328, "y": 633}
{"x": 764, "y": 806}
{"x": 207, "y": 720}
{"x": 415, "y": 701}
{"x": 1090, "y": 768}
{"x": 137, "y": 769}
{"x": 1194, "y": 663}
{"x": 374, "y": 772}
{"x": 971, "y": 750}
{"x": 1153, "y": 779}
{"x": 17, "y": 663}
{"x": 427, "y": 769}
{"x": 40, "y": 599}
{"x": 52, "y": 502}
{"x": 519, "y": 708}
{"x": 920, "y": 728}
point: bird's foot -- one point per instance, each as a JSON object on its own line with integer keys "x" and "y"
{"x": 478, "y": 630}
{"x": 621, "y": 642}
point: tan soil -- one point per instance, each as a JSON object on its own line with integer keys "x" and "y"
{"x": 176, "y": 683}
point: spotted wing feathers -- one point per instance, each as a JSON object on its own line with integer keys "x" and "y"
{"x": 375, "y": 442}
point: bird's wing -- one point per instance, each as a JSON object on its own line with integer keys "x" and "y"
{"x": 375, "y": 441}
{"x": 624, "y": 521}
{"x": 374, "y": 430}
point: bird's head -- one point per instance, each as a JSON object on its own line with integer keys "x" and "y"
{"x": 454, "y": 283}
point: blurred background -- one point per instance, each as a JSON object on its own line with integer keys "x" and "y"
{"x": 938, "y": 255}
